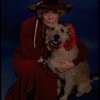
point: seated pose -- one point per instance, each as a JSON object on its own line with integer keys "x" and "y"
{"x": 34, "y": 81}
{"x": 63, "y": 49}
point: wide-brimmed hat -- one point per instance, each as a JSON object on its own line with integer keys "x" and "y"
{"x": 51, "y": 5}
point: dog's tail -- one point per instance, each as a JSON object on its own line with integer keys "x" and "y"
{"x": 94, "y": 77}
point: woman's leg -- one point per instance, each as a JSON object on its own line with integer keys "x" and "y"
{"x": 46, "y": 84}
{"x": 32, "y": 78}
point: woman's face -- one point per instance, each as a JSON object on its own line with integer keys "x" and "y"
{"x": 50, "y": 18}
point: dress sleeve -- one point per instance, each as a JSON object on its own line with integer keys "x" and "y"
{"x": 26, "y": 41}
{"x": 83, "y": 50}
{"x": 72, "y": 37}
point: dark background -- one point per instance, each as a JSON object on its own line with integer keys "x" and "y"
{"x": 84, "y": 16}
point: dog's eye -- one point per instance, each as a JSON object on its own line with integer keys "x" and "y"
{"x": 61, "y": 30}
{"x": 52, "y": 28}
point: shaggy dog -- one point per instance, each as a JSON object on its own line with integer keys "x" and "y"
{"x": 77, "y": 76}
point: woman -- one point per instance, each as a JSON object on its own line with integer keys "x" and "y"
{"x": 34, "y": 81}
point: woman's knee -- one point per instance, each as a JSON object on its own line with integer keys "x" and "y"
{"x": 25, "y": 67}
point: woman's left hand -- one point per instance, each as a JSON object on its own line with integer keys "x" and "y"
{"x": 65, "y": 65}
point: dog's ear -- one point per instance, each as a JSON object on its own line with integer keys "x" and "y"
{"x": 51, "y": 28}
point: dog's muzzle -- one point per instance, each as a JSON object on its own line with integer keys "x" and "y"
{"x": 56, "y": 40}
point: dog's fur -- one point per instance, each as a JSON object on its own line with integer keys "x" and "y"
{"x": 77, "y": 76}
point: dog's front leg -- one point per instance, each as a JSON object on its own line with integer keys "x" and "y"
{"x": 67, "y": 89}
{"x": 58, "y": 86}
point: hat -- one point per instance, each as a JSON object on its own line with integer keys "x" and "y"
{"x": 50, "y": 4}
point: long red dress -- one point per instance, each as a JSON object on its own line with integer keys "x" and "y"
{"x": 34, "y": 81}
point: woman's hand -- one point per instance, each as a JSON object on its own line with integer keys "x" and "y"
{"x": 65, "y": 65}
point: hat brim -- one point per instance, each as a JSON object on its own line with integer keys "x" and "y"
{"x": 66, "y": 7}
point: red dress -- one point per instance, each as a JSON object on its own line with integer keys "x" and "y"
{"x": 34, "y": 81}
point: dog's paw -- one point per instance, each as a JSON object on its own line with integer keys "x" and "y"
{"x": 63, "y": 98}
{"x": 78, "y": 94}
{"x": 88, "y": 89}
{"x": 58, "y": 91}
{"x": 84, "y": 90}
{"x": 40, "y": 60}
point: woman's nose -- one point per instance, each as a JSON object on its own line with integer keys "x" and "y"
{"x": 50, "y": 15}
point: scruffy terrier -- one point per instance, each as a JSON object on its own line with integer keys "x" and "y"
{"x": 77, "y": 76}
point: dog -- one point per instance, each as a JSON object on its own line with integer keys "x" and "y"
{"x": 77, "y": 76}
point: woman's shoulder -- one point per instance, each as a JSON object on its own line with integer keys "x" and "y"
{"x": 70, "y": 26}
{"x": 29, "y": 21}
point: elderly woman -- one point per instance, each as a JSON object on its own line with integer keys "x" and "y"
{"x": 34, "y": 81}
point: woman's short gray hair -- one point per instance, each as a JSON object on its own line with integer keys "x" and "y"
{"x": 40, "y": 12}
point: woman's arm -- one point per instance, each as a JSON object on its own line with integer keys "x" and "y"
{"x": 26, "y": 40}
{"x": 83, "y": 52}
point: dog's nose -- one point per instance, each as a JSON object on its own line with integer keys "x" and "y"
{"x": 56, "y": 37}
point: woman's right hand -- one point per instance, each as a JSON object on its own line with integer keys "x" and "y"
{"x": 65, "y": 65}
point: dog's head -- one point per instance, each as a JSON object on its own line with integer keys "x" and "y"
{"x": 57, "y": 34}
